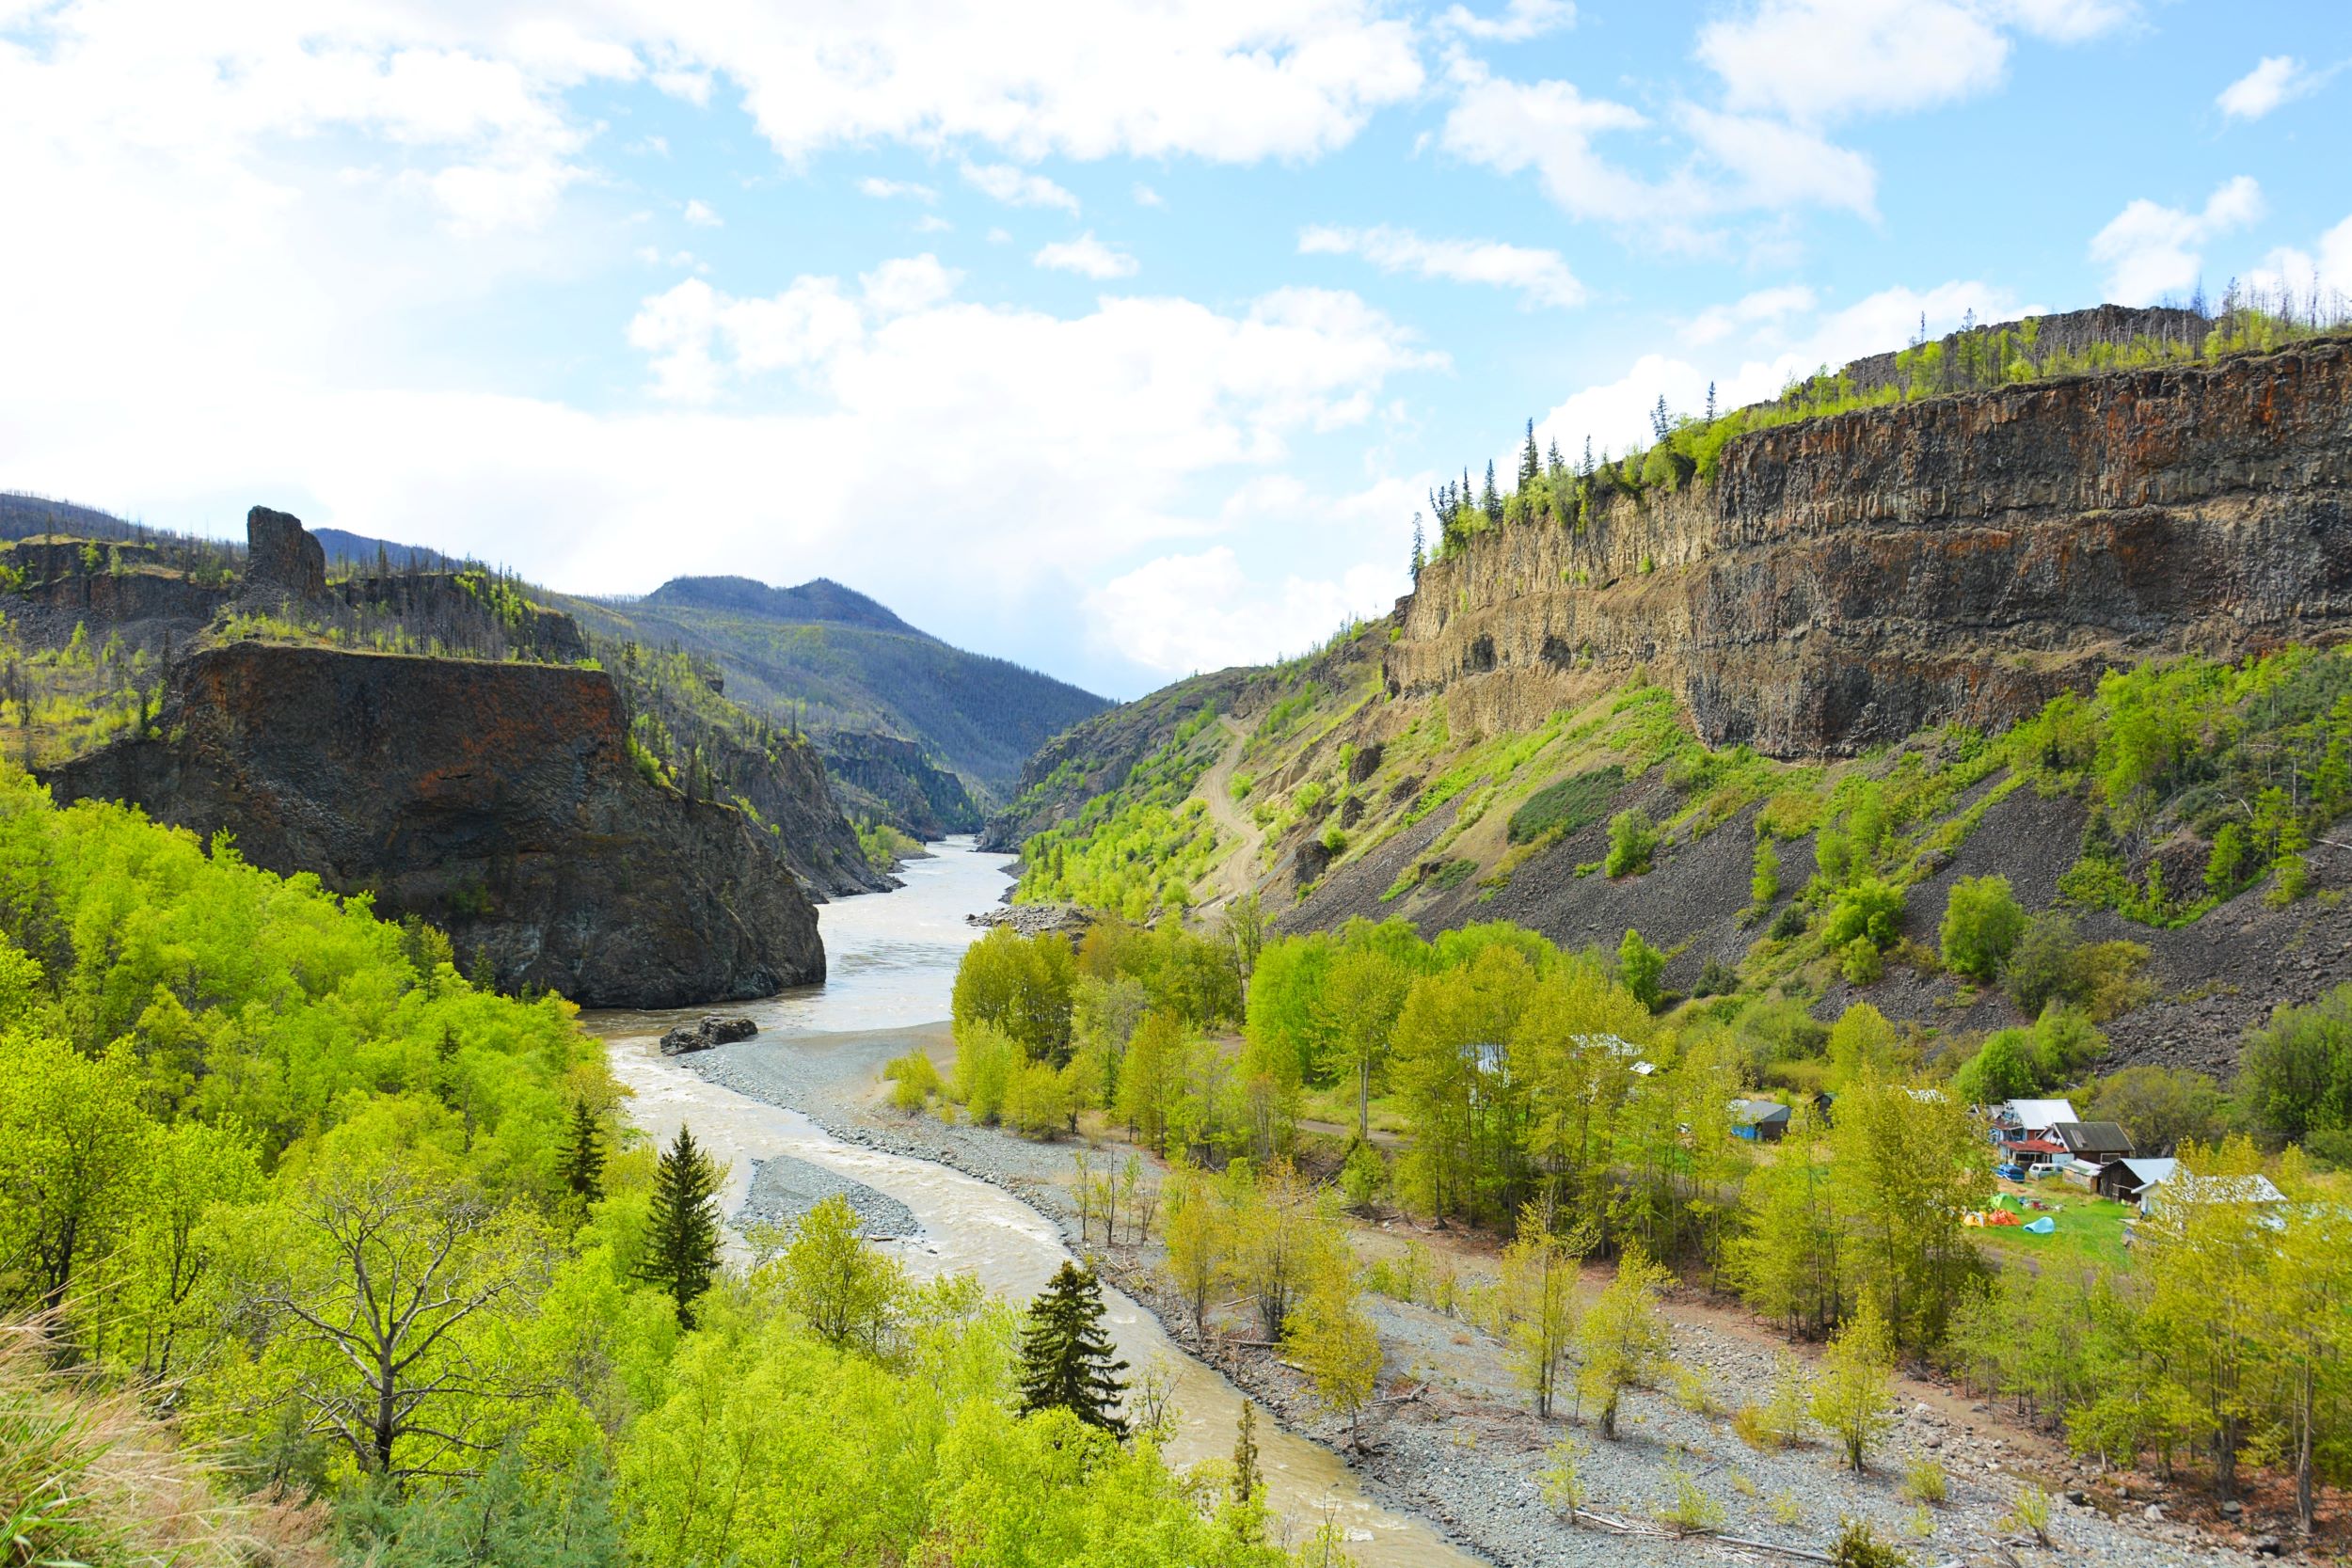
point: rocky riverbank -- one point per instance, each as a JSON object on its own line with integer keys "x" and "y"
{"x": 1457, "y": 1444}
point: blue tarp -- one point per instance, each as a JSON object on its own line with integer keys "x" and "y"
{"x": 2042, "y": 1227}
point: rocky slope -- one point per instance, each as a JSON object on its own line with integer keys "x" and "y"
{"x": 1820, "y": 641}
{"x": 496, "y": 800}
{"x": 1846, "y": 582}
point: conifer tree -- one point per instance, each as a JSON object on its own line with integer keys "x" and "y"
{"x": 1531, "y": 461}
{"x": 1710, "y": 400}
{"x": 484, "y": 977}
{"x": 1553, "y": 465}
{"x": 1245, "y": 1481}
{"x": 581, "y": 1164}
{"x": 1066, "y": 1359}
{"x": 1418, "y": 545}
{"x": 1490, "y": 499}
{"x": 682, "y": 1228}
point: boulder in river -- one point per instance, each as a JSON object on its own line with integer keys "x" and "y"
{"x": 705, "y": 1033}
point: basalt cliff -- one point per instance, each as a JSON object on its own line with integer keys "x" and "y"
{"x": 497, "y": 801}
{"x": 1846, "y": 582}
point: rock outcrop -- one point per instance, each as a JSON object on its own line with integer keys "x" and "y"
{"x": 892, "y": 780}
{"x": 1847, "y": 580}
{"x": 707, "y": 1032}
{"x": 282, "y": 558}
{"x": 496, "y": 800}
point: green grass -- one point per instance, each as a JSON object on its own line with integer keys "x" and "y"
{"x": 2090, "y": 1229}
{"x": 1566, "y": 806}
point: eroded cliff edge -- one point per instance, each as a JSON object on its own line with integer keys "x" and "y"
{"x": 496, "y": 800}
{"x": 1849, "y": 580}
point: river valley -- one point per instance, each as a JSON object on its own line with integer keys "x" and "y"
{"x": 892, "y": 961}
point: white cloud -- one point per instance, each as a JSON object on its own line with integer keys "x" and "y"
{"x": 909, "y": 284}
{"x": 1817, "y": 60}
{"x": 2279, "y": 79}
{"x": 1740, "y": 161}
{"x": 931, "y": 223}
{"x": 699, "y": 213}
{"x": 1776, "y": 165}
{"x": 1616, "y": 414}
{"x": 1146, "y": 196}
{"x": 1550, "y": 127}
{"x": 885, "y": 190}
{"x": 1232, "y": 81}
{"x": 2152, "y": 250}
{"x": 2297, "y": 273}
{"x": 1521, "y": 20}
{"x": 1087, "y": 256}
{"x": 1180, "y": 613}
{"x": 1540, "y": 277}
{"x": 1017, "y": 187}
{"x": 1763, "y": 308}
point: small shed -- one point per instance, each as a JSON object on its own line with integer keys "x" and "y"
{"x": 2127, "y": 1179}
{"x": 1759, "y": 1120}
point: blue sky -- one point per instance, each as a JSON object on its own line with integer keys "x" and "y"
{"x": 1120, "y": 339}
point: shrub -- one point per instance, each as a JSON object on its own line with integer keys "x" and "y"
{"x": 1925, "y": 1482}
{"x": 2042, "y": 967}
{"x": 1565, "y": 807}
{"x": 1752, "y": 1426}
{"x": 1037, "y": 1101}
{"x": 1785, "y": 1511}
{"x": 985, "y": 1056}
{"x": 1858, "y": 1547}
{"x": 1981, "y": 925}
{"x": 1716, "y": 978}
{"x": 1638, "y": 966}
{"x": 2031, "y": 1513}
{"x": 2002, "y": 1069}
{"x": 1861, "y": 963}
{"x": 1787, "y": 924}
{"x": 1764, "y": 883}
{"x": 1363, "y": 1175}
{"x": 1870, "y": 908}
{"x": 1689, "y": 1509}
{"x": 913, "y": 1079}
{"x": 1632, "y": 842}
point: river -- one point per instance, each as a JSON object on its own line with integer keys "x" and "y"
{"x": 892, "y": 961}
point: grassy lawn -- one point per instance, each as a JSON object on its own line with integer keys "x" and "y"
{"x": 2089, "y": 1227}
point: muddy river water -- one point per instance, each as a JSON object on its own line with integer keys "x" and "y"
{"x": 892, "y": 961}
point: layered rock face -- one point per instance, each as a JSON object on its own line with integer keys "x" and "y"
{"x": 1847, "y": 580}
{"x": 495, "y": 799}
{"x": 891, "y": 780}
{"x": 281, "y": 557}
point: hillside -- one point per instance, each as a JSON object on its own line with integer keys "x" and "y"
{"x": 833, "y": 660}
{"x": 1855, "y": 643}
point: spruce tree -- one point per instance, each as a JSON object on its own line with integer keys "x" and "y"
{"x": 1491, "y": 498}
{"x": 1416, "y": 547}
{"x": 1246, "y": 1480}
{"x": 682, "y": 1228}
{"x": 582, "y": 1160}
{"x": 1531, "y": 462}
{"x": 1066, "y": 1357}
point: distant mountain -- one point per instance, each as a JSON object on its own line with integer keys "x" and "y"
{"x": 836, "y": 660}
{"x": 361, "y": 550}
{"x": 818, "y": 601}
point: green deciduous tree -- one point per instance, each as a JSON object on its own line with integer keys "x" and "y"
{"x": 845, "y": 1290}
{"x": 1982, "y": 926}
{"x": 1854, "y": 1398}
{"x": 1623, "y": 1338}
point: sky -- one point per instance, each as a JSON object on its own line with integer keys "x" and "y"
{"x": 1120, "y": 337}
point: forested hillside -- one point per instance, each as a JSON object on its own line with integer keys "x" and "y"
{"x": 383, "y": 1243}
{"x": 831, "y": 659}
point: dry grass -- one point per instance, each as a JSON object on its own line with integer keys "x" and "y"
{"x": 88, "y": 1477}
